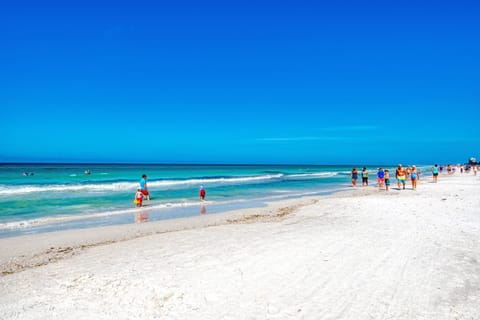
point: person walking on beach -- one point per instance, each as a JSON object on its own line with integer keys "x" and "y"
{"x": 387, "y": 179}
{"x": 401, "y": 176}
{"x": 202, "y": 193}
{"x": 138, "y": 198}
{"x": 414, "y": 177}
{"x": 408, "y": 171}
{"x": 435, "y": 173}
{"x": 381, "y": 177}
{"x": 354, "y": 175}
{"x": 364, "y": 177}
{"x": 144, "y": 187}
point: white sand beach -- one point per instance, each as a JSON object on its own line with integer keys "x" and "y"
{"x": 360, "y": 254}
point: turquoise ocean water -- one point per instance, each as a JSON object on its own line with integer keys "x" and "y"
{"x": 62, "y": 196}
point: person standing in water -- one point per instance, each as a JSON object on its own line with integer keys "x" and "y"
{"x": 387, "y": 179}
{"x": 414, "y": 177}
{"x": 364, "y": 177}
{"x": 354, "y": 176}
{"x": 144, "y": 187}
{"x": 435, "y": 173}
{"x": 202, "y": 193}
{"x": 138, "y": 198}
{"x": 381, "y": 177}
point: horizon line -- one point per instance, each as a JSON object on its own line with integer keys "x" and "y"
{"x": 203, "y": 164}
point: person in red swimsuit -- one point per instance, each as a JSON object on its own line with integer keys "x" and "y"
{"x": 138, "y": 198}
{"x": 144, "y": 187}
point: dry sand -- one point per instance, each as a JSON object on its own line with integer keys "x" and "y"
{"x": 361, "y": 254}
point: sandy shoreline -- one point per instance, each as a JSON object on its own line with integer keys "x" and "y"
{"x": 360, "y": 254}
{"x": 27, "y": 251}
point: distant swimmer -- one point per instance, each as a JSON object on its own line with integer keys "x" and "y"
{"x": 87, "y": 172}
{"x": 25, "y": 174}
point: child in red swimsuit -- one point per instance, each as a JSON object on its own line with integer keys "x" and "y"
{"x": 138, "y": 198}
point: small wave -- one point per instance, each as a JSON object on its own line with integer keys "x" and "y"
{"x": 314, "y": 175}
{"x": 8, "y": 190}
{"x": 226, "y": 180}
{"x": 346, "y": 173}
{"x": 129, "y": 186}
{"x": 119, "y": 186}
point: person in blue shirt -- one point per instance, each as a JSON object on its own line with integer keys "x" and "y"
{"x": 144, "y": 187}
{"x": 381, "y": 177}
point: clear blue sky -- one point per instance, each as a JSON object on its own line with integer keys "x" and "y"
{"x": 327, "y": 82}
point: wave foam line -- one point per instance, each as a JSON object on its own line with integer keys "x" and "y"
{"x": 7, "y": 190}
{"x": 125, "y": 186}
{"x": 164, "y": 184}
{"x": 313, "y": 175}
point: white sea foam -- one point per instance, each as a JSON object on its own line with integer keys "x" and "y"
{"x": 126, "y": 186}
{"x": 314, "y": 175}
{"x": 7, "y": 190}
{"x": 225, "y": 180}
{"x": 155, "y": 184}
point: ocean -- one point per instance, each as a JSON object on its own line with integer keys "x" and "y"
{"x": 63, "y": 196}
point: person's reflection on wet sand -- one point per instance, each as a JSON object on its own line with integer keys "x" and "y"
{"x": 141, "y": 216}
{"x": 203, "y": 210}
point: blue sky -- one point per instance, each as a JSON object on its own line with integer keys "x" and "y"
{"x": 333, "y": 82}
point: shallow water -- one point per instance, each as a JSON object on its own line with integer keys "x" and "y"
{"x": 62, "y": 196}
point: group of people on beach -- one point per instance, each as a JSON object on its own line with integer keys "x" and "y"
{"x": 142, "y": 192}
{"x": 402, "y": 174}
{"x": 463, "y": 169}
